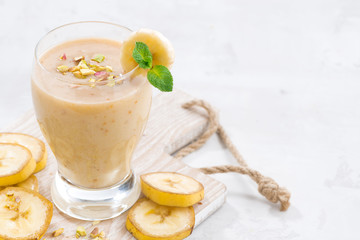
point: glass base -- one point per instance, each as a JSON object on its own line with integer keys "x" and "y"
{"x": 92, "y": 205}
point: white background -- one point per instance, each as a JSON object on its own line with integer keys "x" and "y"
{"x": 284, "y": 75}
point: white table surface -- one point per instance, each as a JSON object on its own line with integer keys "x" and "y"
{"x": 284, "y": 75}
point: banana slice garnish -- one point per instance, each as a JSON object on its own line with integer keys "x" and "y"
{"x": 150, "y": 221}
{"x": 36, "y": 147}
{"x": 160, "y": 47}
{"x": 171, "y": 189}
{"x": 16, "y": 164}
{"x": 24, "y": 214}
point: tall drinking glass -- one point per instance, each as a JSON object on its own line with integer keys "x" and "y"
{"x": 92, "y": 127}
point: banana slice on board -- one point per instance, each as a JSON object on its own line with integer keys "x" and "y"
{"x": 171, "y": 189}
{"x": 160, "y": 47}
{"x": 24, "y": 214}
{"x": 150, "y": 221}
{"x": 36, "y": 147}
{"x": 31, "y": 183}
{"x": 16, "y": 164}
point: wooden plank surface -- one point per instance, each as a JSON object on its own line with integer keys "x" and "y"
{"x": 169, "y": 128}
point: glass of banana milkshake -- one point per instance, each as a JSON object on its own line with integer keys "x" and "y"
{"x": 92, "y": 112}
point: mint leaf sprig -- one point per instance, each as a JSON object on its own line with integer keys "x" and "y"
{"x": 159, "y": 76}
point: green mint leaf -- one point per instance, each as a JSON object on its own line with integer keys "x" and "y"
{"x": 98, "y": 58}
{"x": 142, "y": 55}
{"x": 161, "y": 78}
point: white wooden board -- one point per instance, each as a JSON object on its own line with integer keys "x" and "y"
{"x": 170, "y": 127}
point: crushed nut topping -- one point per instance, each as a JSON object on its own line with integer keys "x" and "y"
{"x": 63, "y": 57}
{"x": 87, "y": 72}
{"x": 97, "y": 68}
{"x": 102, "y": 234}
{"x": 73, "y": 69}
{"x": 101, "y": 75}
{"x": 77, "y": 59}
{"x": 80, "y": 232}
{"x": 94, "y": 233}
{"x": 83, "y": 64}
{"x": 63, "y": 69}
{"x": 109, "y": 68}
{"x": 98, "y": 58}
{"x": 58, "y": 232}
{"x": 83, "y": 69}
{"x": 78, "y": 74}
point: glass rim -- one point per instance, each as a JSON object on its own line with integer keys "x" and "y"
{"x": 75, "y": 81}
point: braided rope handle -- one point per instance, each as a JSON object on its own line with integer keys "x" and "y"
{"x": 266, "y": 186}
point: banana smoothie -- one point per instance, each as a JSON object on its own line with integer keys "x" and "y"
{"x": 91, "y": 114}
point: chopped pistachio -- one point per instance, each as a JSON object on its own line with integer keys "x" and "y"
{"x": 63, "y": 57}
{"x": 73, "y": 69}
{"x": 98, "y": 58}
{"x": 78, "y": 75}
{"x": 58, "y": 232}
{"x": 101, "y": 75}
{"x": 87, "y": 72}
{"x": 109, "y": 68}
{"x": 76, "y": 59}
{"x": 63, "y": 69}
{"x": 80, "y": 232}
{"x": 83, "y": 64}
{"x": 97, "y": 68}
{"x": 94, "y": 233}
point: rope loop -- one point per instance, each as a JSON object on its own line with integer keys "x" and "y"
{"x": 266, "y": 185}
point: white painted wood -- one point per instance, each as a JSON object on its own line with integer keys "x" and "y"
{"x": 169, "y": 128}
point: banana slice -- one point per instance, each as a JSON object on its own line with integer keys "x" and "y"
{"x": 36, "y": 147}
{"x": 160, "y": 48}
{"x": 24, "y": 214}
{"x": 31, "y": 183}
{"x": 150, "y": 221}
{"x": 171, "y": 189}
{"x": 16, "y": 164}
